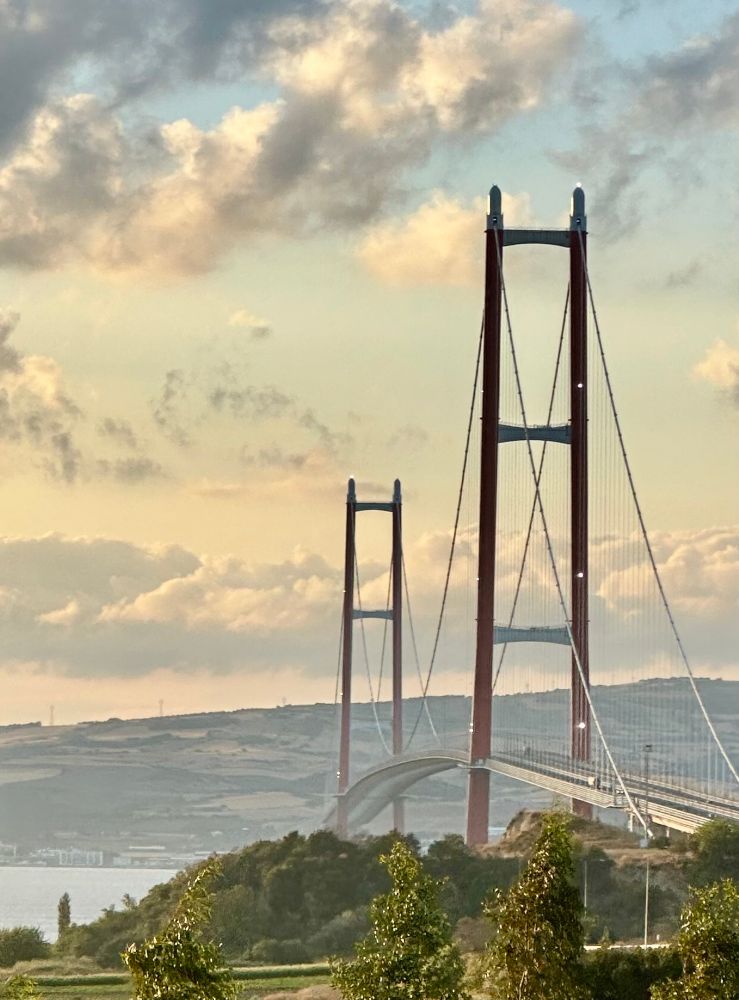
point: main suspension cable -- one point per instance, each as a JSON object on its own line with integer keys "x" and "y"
{"x": 643, "y": 527}
{"x": 454, "y": 533}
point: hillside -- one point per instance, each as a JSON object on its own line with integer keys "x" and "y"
{"x": 217, "y": 780}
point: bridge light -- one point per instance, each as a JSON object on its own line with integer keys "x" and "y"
{"x": 580, "y": 575}
{"x": 581, "y": 725}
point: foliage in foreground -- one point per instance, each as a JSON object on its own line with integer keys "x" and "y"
{"x": 708, "y": 944}
{"x": 177, "y": 964}
{"x": 537, "y": 950}
{"x": 19, "y": 988}
{"x": 409, "y": 953}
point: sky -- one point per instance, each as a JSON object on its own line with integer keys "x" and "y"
{"x": 241, "y": 250}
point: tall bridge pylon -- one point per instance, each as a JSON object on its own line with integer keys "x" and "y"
{"x": 394, "y": 614}
{"x": 494, "y": 433}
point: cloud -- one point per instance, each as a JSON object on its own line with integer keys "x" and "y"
{"x": 187, "y": 400}
{"x": 408, "y": 438}
{"x": 258, "y": 329}
{"x": 700, "y": 571}
{"x": 441, "y": 243}
{"x": 365, "y": 91}
{"x": 128, "y": 50}
{"x": 36, "y": 412}
{"x": 273, "y": 474}
{"x": 96, "y": 607}
{"x": 119, "y": 431}
{"x": 45, "y": 427}
{"x": 693, "y": 87}
{"x": 685, "y": 276}
{"x": 99, "y": 607}
{"x": 659, "y": 113}
{"x": 720, "y": 367}
{"x": 134, "y": 469}
{"x": 227, "y": 594}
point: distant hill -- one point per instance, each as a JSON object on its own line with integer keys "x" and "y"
{"x": 217, "y": 780}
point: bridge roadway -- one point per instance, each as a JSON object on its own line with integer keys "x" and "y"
{"x": 676, "y": 808}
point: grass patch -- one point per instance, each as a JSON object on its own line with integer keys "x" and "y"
{"x": 255, "y": 981}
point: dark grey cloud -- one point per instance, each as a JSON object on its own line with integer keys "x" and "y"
{"x": 119, "y": 431}
{"x": 35, "y": 409}
{"x": 683, "y": 277}
{"x": 46, "y": 425}
{"x": 187, "y": 400}
{"x": 332, "y": 441}
{"x": 126, "y": 49}
{"x": 131, "y": 470}
{"x": 251, "y": 402}
{"x": 274, "y": 457}
{"x": 694, "y": 87}
{"x": 658, "y": 116}
{"x": 169, "y": 407}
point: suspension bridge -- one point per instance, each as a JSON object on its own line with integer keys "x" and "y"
{"x": 569, "y": 604}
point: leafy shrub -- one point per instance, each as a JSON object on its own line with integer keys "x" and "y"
{"x": 19, "y": 988}
{"x": 290, "y": 952}
{"x": 20, "y": 944}
{"x": 617, "y": 974}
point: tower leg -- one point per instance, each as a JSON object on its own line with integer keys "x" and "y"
{"x": 579, "y": 580}
{"x": 478, "y": 794}
{"x": 397, "y": 558}
{"x": 342, "y": 825}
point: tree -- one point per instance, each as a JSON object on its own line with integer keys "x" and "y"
{"x": 536, "y": 953}
{"x": 63, "y": 915}
{"x": 716, "y": 852}
{"x": 708, "y": 944}
{"x": 409, "y": 953}
{"x": 177, "y": 964}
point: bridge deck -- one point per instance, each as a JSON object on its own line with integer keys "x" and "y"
{"x": 677, "y": 809}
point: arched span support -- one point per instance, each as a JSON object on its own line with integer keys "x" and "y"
{"x": 378, "y": 788}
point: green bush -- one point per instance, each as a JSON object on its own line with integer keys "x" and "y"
{"x": 19, "y": 988}
{"x": 617, "y": 974}
{"x": 20, "y": 944}
{"x": 270, "y": 950}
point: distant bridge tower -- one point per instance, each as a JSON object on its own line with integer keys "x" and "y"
{"x": 351, "y": 614}
{"x": 493, "y": 433}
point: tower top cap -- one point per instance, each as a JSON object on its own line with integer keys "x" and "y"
{"x": 578, "y": 218}
{"x": 351, "y": 492}
{"x": 495, "y": 208}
